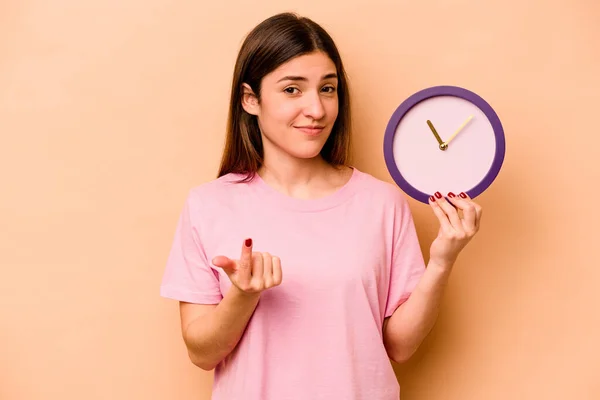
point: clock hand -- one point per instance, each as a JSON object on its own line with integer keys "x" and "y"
{"x": 458, "y": 130}
{"x": 435, "y": 133}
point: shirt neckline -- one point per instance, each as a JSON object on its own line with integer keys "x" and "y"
{"x": 279, "y": 199}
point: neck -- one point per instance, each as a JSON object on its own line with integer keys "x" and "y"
{"x": 292, "y": 172}
{"x": 301, "y": 177}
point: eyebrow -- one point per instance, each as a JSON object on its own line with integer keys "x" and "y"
{"x": 304, "y": 79}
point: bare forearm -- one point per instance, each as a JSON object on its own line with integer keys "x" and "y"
{"x": 405, "y": 330}
{"x": 211, "y": 337}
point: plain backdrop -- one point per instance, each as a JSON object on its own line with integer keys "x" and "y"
{"x": 110, "y": 111}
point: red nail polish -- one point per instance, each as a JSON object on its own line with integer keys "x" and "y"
{"x": 451, "y": 194}
{"x": 248, "y": 242}
{"x": 463, "y": 195}
{"x": 438, "y": 195}
{"x": 431, "y": 198}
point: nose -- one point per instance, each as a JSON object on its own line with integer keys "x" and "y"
{"x": 314, "y": 106}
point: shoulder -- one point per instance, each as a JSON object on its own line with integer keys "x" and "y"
{"x": 218, "y": 185}
{"x": 380, "y": 190}
{"x": 216, "y": 191}
{"x": 388, "y": 204}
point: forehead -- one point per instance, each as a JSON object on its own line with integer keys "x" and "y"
{"x": 311, "y": 66}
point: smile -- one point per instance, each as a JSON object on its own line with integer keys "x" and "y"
{"x": 310, "y": 130}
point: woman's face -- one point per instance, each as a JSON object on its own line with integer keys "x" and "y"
{"x": 298, "y": 106}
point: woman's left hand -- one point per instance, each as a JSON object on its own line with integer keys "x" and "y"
{"x": 455, "y": 230}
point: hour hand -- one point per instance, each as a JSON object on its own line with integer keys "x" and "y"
{"x": 435, "y": 133}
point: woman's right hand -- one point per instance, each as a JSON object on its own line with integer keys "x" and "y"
{"x": 253, "y": 272}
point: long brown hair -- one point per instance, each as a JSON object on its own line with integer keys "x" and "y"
{"x": 273, "y": 42}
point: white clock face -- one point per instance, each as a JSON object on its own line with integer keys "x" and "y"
{"x": 469, "y": 153}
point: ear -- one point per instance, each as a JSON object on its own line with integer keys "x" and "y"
{"x": 249, "y": 100}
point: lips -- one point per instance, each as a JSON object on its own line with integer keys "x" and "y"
{"x": 311, "y": 130}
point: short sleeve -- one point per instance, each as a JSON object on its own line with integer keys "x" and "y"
{"x": 188, "y": 276}
{"x": 408, "y": 264}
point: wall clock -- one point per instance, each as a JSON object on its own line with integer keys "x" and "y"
{"x": 446, "y": 139}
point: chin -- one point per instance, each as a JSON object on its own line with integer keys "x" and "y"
{"x": 306, "y": 150}
{"x": 306, "y": 155}
{"x": 301, "y": 148}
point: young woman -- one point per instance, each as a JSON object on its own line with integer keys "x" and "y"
{"x": 299, "y": 276}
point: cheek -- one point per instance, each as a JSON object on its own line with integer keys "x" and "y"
{"x": 287, "y": 111}
{"x": 333, "y": 108}
{"x": 280, "y": 112}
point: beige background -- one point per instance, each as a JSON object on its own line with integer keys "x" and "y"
{"x": 111, "y": 110}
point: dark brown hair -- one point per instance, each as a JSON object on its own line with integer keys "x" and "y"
{"x": 273, "y": 42}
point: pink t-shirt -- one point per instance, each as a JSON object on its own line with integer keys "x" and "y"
{"x": 348, "y": 261}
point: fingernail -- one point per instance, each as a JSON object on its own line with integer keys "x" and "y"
{"x": 431, "y": 198}
{"x": 450, "y": 194}
{"x": 438, "y": 195}
{"x": 463, "y": 195}
{"x": 248, "y": 242}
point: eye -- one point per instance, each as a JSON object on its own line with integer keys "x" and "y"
{"x": 329, "y": 89}
{"x": 290, "y": 90}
